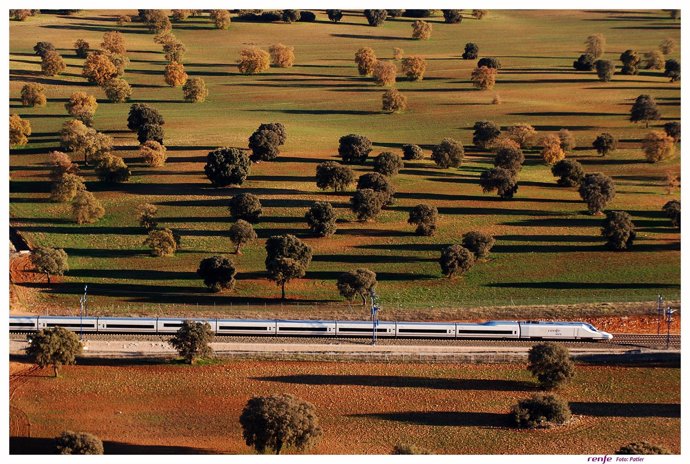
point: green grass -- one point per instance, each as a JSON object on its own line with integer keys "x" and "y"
{"x": 548, "y": 249}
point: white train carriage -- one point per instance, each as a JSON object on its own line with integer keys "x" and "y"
{"x": 491, "y": 329}
{"x": 308, "y": 328}
{"x": 245, "y": 327}
{"x": 425, "y": 329}
{"x": 365, "y": 329}
{"x": 23, "y": 324}
{"x": 127, "y": 325}
{"x": 543, "y": 330}
{"x": 171, "y": 326}
{"x": 73, "y": 323}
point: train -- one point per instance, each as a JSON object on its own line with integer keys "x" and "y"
{"x": 530, "y": 330}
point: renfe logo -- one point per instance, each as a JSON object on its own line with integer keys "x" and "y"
{"x": 599, "y": 459}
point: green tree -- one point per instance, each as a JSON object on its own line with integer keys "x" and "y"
{"x": 354, "y": 149}
{"x": 452, "y": 17}
{"x": 644, "y": 109}
{"x": 501, "y": 180}
{"x": 424, "y": 217}
{"x": 69, "y": 442}
{"x": 597, "y": 190}
{"x": 218, "y": 273}
{"x": 448, "y": 154}
{"x": 618, "y": 230}
{"x": 359, "y": 282}
{"x": 471, "y": 51}
{"x": 605, "y": 143}
{"x": 50, "y": 261}
{"x": 605, "y": 69}
{"x": 479, "y": 243}
{"x": 672, "y": 210}
{"x": 367, "y": 203}
{"x": 388, "y": 164}
{"x": 550, "y": 363}
{"x": 330, "y": 174}
{"x": 631, "y": 62}
{"x": 193, "y": 340}
{"x": 245, "y": 206}
{"x": 509, "y": 156}
{"x": 378, "y": 183}
{"x": 406, "y": 448}
{"x": 54, "y": 347}
{"x": 539, "y": 410}
{"x": 375, "y": 17}
{"x": 321, "y": 219}
{"x": 141, "y": 114}
{"x": 485, "y": 134}
{"x": 227, "y": 166}
{"x": 412, "y": 152}
{"x": 456, "y": 259}
{"x": 162, "y": 242}
{"x": 672, "y": 70}
{"x": 241, "y": 232}
{"x": 642, "y": 447}
{"x": 287, "y": 258}
{"x": 570, "y": 173}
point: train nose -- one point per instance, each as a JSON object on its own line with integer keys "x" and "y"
{"x": 606, "y": 335}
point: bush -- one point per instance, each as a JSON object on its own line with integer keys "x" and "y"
{"x": 654, "y": 60}
{"x": 162, "y": 242}
{"x": 378, "y": 183}
{"x": 82, "y": 106}
{"x": 385, "y": 73}
{"x": 414, "y": 67}
{"x": 114, "y": 42}
{"x": 112, "y": 169}
{"x": 455, "y": 259}
{"x": 330, "y": 174}
{"x": 485, "y": 134}
{"x": 412, "y": 152}
{"x": 52, "y": 64}
{"x": 388, "y": 164}
{"x": 218, "y": 273}
{"x": 141, "y": 114}
{"x": 156, "y": 20}
{"x": 81, "y": 48}
{"x": 452, "y": 16}
{"x": 642, "y": 447}
{"x": 644, "y": 109}
{"x": 20, "y": 15}
{"x": 509, "y": 156}
{"x": 366, "y": 204}
{"x": 550, "y": 363}
{"x": 20, "y": 130}
{"x": 65, "y": 187}
{"x": 605, "y": 143}
{"x": 175, "y": 74}
{"x": 393, "y": 101}
{"x": 618, "y": 230}
{"x": 552, "y": 152}
{"x": 123, "y": 19}
{"x": 668, "y": 46}
{"x": 658, "y": 146}
{"x": 277, "y": 421}
{"x": 291, "y": 16}
{"x": 307, "y": 16}
{"x": 366, "y": 60}
{"x": 193, "y": 340}
{"x": 180, "y": 15}
{"x": 150, "y": 132}
{"x": 42, "y": 48}
{"x": 117, "y": 90}
{"x": 471, "y": 51}
{"x": 597, "y": 190}
{"x": 321, "y": 219}
{"x": 417, "y": 13}
{"x": 334, "y": 15}
{"x": 153, "y": 153}
{"x": 253, "y": 61}
{"x": 359, "y": 282}
{"x": 78, "y": 443}
{"x": 672, "y": 129}
{"x": 631, "y": 62}
{"x": 241, "y": 232}
{"x": 540, "y": 410}
{"x": 672, "y": 210}
{"x": 287, "y": 258}
{"x": 264, "y": 145}
{"x": 567, "y": 140}
{"x": 245, "y": 206}
{"x": 33, "y": 95}
{"x": 489, "y": 62}
{"x": 479, "y": 243}
{"x": 398, "y": 53}
{"x": 220, "y": 18}
{"x": 523, "y": 134}
{"x": 147, "y": 216}
{"x": 595, "y": 45}
{"x": 49, "y": 261}
{"x": 98, "y": 68}
{"x": 424, "y": 217}
{"x": 483, "y": 78}
{"x": 282, "y": 56}
{"x": 375, "y": 17}
{"x": 354, "y": 149}
{"x": 585, "y": 62}
{"x": 672, "y": 70}
{"x": 570, "y": 172}
{"x": 194, "y": 90}
{"x": 421, "y": 30}
{"x": 605, "y": 70}
{"x": 449, "y": 153}
{"x": 227, "y": 166}
{"x": 500, "y": 180}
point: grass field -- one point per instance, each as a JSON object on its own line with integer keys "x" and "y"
{"x": 548, "y": 250}
{"x": 363, "y": 408}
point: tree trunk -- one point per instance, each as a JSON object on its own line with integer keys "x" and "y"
{"x": 364, "y": 299}
{"x": 55, "y": 370}
{"x": 279, "y": 446}
{"x": 237, "y": 249}
{"x": 48, "y": 277}
{"x": 283, "y": 289}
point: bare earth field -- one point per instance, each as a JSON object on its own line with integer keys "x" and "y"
{"x": 548, "y": 251}
{"x": 446, "y": 408}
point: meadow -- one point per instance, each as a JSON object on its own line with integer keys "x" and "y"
{"x": 548, "y": 249}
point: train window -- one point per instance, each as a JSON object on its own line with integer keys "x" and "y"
{"x": 60, "y": 324}
{"x": 304, "y": 329}
{"x": 430, "y": 331}
{"x": 243, "y": 327}
{"x": 491, "y": 332}
{"x": 172, "y": 324}
{"x": 129, "y": 326}
{"x": 22, "y": 324}
{"x": 362, "y": 330}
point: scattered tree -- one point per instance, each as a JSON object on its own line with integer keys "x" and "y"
{"x": 156, "y": 20}
{"x": 570, "y": 173}
{"x": 117, "y": 90}
{"x": 241, "y": 232}
{"x": 503, "y": 181}
{"x": 483, "y": 78}
{"x": 193, "y": 339}
{"x": 253, "y": 61}
{"x": 41, "y": 48}
{"x": 277, "y": 421}
{"x": 672, "y": 70}
{"x": 585, "y": 62}
{"x": 631, "y": 62}
{"x": 78, "y": 443}
{"x": 366, "y": 204}
{"x": 642, "y": 447}
{"x": 287, "y": 258}
{"x": 81, "y": 48}
{"x": 424, "y": 217}
{"x": 654, "y": 60}
{"x": 388, "y": 164}
{"x": 86, "y": 209}
{"x": 150, "y": 132}
{"x": 141, "y": 114}
{"x": 414, "y": 67}
{"x": 550, "y": 363}
{"x": 20, "y": 15}
{"x": 658, "y": 146}
{"x": 366, "y": 60}
{"x": 54, "y": 347}
{"x": 112, "y": 169}
{"x": 82, "y": 106}
{"x": 162, "y": 242}
{"x": 227, "y": 166}
{"x": 398, "y": 53}
{"x": 52, "y": 64}
{"x": 33, "y": 95}
{"x": 421, "y": 30}
{"x": 412, "y": 152}
{"x": 282, "y": 56}
{"x": 605, "y": 143}
{"x": 50, "y": 261}
{"x": 479, "y": 14}
{"x": 264, "y": 144}
{"x": 668, "y": 46}
{"x": 153, "y": 153}
{"x": 618, "y": 230}
{"x": 72, "y": 134}
{"x": 644, "y": 109}
{"x": 455, "y": 259}
{"x": 94, "y": 145}
{"x": 359, "y": 282}
{"x": 471, "y": 51}
{"x": 334, "y": 15}
{"x": 378, "y": 183}
{"x": 180, "y": 15}
{"x": 245, "y": 206}
{"x": 175, "y": 74}
{"x": 552, "y": 151}
{"x": 509, "y": 156}
{"x": 220, "y": 18}
{"x": 567, "y": 140}
{"x": 671, "y": 182}
{"x": 672, "y": 129}
{"x": 523, "y": 134}
{"x": 375, "y": 17}
{"x": 147, "y": 216}
{"x": 321, "y": 219}
{"x": 114, "y": 42}
{"x": 354, "y": 149}
{"x": 218, "y": 273}
{"x": 20, "y": 130}
{"x": 448, "y": 154}
{"x": 333, "y": 175}
{"x": 605, "y": 70}
{"x": 385, "y": 72}
{"x": 123, "y": 19}
{"x": 595, "y": 45}
{"x": 392, "y": 101}
{"x": 291, "y": 16}
{"x": 597, "y": 190}
{"x": 61, "y": 164}
{"x": 479, "y": 243}
{"x": 540, "y": 410}
{"x": 65, "y": 187}
{"x": 485, "y": 134}
{"x": 99, "y": 68}
{"x": 194, "y": 90}
{"x": 489, "y": 62}
{"x": 452, "y": 16}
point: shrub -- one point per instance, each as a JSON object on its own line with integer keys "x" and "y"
{"x": 174, "y": 50}
{"x": 540, "y": 410}
{"x": 485, "y": 134}
{"x": 359, "y": 282}
{"x": 20, "y": 130}
{"x": 218, "y": 273}
{"x": 552, "y": 152}
{"x": 550, "y": 363}
{"x": 282, "y": 56}
{"x": 330, "y": 174}
{"x": 406, "y": 448}
{"x": 264, "y": 144}
{"x": 61, "y": 164}
{"x": 253, "y": 61}
{"x": 99, "y": 69}
{"x": 194, "y": 90}
{"x": 334, "y": 15}
{"x": 595, "y": 45}
{"x": 597, "y": 190}
{"x": 112, "y": 169}
{"x": 631, "y": 62}
{"x": 392, "y": 101}
{"x": 412, "y": 152}
{"x": 452, "y": 16}
{"x": 500, "y": 180}
{"x": 567, "y": 140}
{"x": 52, "y": 64}
{"x": 162, "y": 242}
{"x": 414, "y": 67}
{"x": 65, "y": 187}
{"x": 672, "y": 129}
{"x": 449, "y": 153}
{"x": 193, "y": 340}
{"x": 307, "y": 16}
{"x": 658, "y": 146}
{"x": 42, "y": 48}
{"x": 33, "y": 95}
{"x": 86, "y": 209}
{"x": 570, "y": 172}
{"x": 20, "y": 15}
{"x": 354, "y": 149}
{"x": 227, "y": 166}
{"x": 78, "y": 443}
{"x": 523, "y": 134}
{"x": 82, "y": 106}
{"x": 644, "y": 109}
{"x": 668, "y": 46}
{"x": 421, "y": 30}
{"x": 471, "y": 51}
{"x": 291, "y": 16}
{"x": 424, "y": 217}
{"x": 220, "y": 18}
{"x": 123, "y": 19}
{"x": 605, "y": 143}
{"x": 618, "y": 230}
{"x": 398, "y": 53}
{"x": 175, "y": 74}
{"x": 605, "y": 70}
{"x": 287, "y": 258}
{"x": 156, "y": 20}
{"x": 277, "y": 421}
{"x": 478, "y": 243}
{"x": 388, "y": 164}
{"x": 385, "y": 72}
{"x": 180, "y": 15}
{"x": 245, "y": 206}
{"x": 585, "y": 62}
{"x": 642, "y": 447}
{"x": 366, "y": 204}
{"x": 375, "y": 17}
{"x": 654, "y": 60}
{"x": 510, "y": 157}
{"x": 378, "y": 183}
{"x": 366, "y": 60}
{"x": 114, "y": 42}
{"x": 455, "y": 259}
{"x": 241, "y": 232}
{"x": 483, "y": 78}
{"x": 321, "y": 219}
{"x": 150, "y": 132}
{"x": 147, "y": 216}
{"x": 49, "y": 261}
{"x": 672, "y": 70}
{"x": 417, "y": 13}
{"x": 81, "y": 48}
{"x": 153, "y": 153}
{"x": 141, "y": 114}
{"x": 489, "y": 62}
{"x": 117, "y": 90}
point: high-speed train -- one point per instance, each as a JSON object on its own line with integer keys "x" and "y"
{"x": 535, "y": 330}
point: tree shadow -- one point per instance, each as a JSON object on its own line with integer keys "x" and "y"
{"x": 443, "y": 418}
{"x": 625, "y": 409}
{"x": 380, "y": 276}
{"x": 326, "y": 112}
{"x": 133, "y": 274}
{"x": 90, "y": 27}
{"x": 369, "y": 259}
{"x": 371, "y": 37}
{"x": 585, "y": 285}
{"x": 43, "y": 446}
